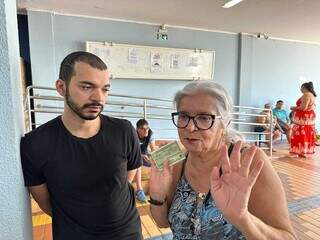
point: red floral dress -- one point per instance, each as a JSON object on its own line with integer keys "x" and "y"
{"x": 303, "y": 131}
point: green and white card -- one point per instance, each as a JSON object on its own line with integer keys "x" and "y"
{"x": 172, "y": 152}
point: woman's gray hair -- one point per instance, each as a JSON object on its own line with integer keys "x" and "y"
{"x": 224, "y": 103}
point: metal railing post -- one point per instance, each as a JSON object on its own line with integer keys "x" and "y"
{"x": 145, "y": 109}
{"x": 28, "y": 105}
{"x": 271, "y": 130}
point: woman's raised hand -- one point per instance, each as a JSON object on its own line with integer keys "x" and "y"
{"x": 231, "y": 190}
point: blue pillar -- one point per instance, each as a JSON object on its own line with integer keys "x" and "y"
{"x": 245, "y": 70}
{"x": 15, "y": 215}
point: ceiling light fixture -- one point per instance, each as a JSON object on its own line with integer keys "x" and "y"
{"x": 231, "y": 3}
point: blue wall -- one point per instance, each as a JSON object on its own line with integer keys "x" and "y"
{"x": 254, "y": 70}
{"x": 279, "y": 68}
{"x": 52, "y": 37}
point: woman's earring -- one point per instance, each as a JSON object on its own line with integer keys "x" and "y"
{"x": 223, "y": 134}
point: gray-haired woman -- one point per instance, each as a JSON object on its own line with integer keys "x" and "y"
{"x": 223, "y": 189}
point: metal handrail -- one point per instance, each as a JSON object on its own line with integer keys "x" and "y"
{"x": 145, "y": 105}
{"x": 117, "y": 103}
{"x": 111, "y": 94}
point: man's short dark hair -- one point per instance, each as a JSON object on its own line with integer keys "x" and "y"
{"x": 141, "y": 123}
{"x": 279, "y": 101}
{"x": 67, "y": 65}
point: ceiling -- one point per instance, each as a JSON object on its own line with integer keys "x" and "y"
{"x": 288, "y": 19}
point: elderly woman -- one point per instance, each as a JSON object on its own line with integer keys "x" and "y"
{"x": 223, "y": 189}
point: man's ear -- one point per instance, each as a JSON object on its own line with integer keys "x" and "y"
{"x": 61, "y": 87}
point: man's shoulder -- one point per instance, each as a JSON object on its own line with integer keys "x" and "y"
{"x": 44, "y": 131}
{"x": 276, "y": 110}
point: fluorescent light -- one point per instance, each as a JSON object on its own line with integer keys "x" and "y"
{"x": 231, "y": 3}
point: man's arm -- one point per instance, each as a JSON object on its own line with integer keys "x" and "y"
{"x": 41, "y": 196}
{"x": 153, "y": 146}
{"x": 152, "y": 143}
{"x": 287, "y": 117}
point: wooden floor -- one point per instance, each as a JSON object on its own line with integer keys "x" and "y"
{"x": 301, "y": 180}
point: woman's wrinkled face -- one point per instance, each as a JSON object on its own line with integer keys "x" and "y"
{"x": 194, "y": 139}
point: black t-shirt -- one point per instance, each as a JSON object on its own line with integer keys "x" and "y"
{"x": 87, "y": 179}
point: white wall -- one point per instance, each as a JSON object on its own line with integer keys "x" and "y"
{"x": 15, "y": 215}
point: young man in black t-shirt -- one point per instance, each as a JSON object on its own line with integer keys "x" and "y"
{"x": 76, "y": 165}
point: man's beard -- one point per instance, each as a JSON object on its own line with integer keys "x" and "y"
{"x": 78, "y": 109}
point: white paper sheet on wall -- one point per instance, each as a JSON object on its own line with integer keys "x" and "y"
{"x": 147, "y": 62}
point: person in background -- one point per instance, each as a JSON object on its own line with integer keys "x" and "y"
{"x": 291, "y": 118}
{"x": 147, "y": 140}
{"x": 282, "y": 119}
{"x": 223, "y": 189}
{"x": 265, "y": 119}
{"x": 304, "y": 117}
{"x": 76, "y": 165}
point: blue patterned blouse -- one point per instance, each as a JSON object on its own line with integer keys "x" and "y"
{"x": 196, "y": 217}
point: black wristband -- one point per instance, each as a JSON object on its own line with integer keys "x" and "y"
{"x": 156, "y": 202}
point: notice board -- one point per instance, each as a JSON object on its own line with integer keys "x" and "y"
{"x": 149, "y": 62}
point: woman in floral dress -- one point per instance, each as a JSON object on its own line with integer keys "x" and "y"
{"x": 303, "y": 132}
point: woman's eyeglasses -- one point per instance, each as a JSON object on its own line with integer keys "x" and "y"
{"x": 202, "y": 121}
